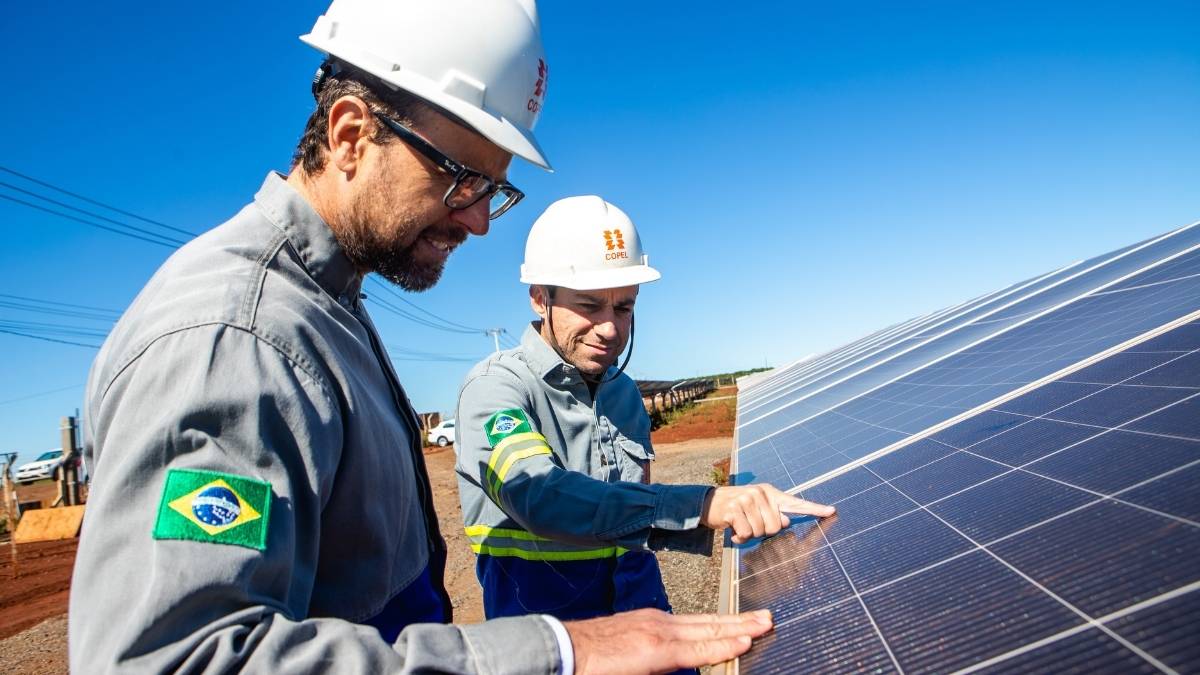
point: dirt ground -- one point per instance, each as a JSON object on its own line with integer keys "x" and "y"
{"x": 32, "y": 606}
{"x": 711, "y": 417}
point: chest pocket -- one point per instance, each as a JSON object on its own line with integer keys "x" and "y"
{"x": 634, "y": 460}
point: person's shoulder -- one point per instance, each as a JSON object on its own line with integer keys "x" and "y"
{"x": 501, "y": 377}
{"x": 508, "y": 365}
{"x": 211, "y": 281}
{"x": 208, "y": 279}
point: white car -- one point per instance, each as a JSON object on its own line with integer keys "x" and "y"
{"x": 442, "y": 434}
{"x": 42, "y": 467}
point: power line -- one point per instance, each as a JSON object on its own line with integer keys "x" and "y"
{"x": 38, "y": 337}
{"x": 416, "y": 319}
{"x": 33, "y": 306}
{"x": 53, "y": 328}
{"x": 507, "y": 339}
{"x": 416, "y": 352}
{"x": 90, "y": 223}
{"x": 91, "y": 213}
{"x": 60, "y": 304}
{"x": 404, "y": 354}
{"x": 428, "y": 360}
{"x": 40, "y": 393}
{"x": 429, "y": 320}
{"x": 56, "y": 312}
{"x": 426, "y": 312}
{"x": 95, "y": 202}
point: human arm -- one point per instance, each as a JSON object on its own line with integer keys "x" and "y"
{"x": 504, "y": 459}
{"x": 749, "y": 511}
{"x": 219, "y": 399}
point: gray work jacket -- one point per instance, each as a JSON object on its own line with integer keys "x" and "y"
{"x": 249, "y": 354}
{"x": 577, "y": 479}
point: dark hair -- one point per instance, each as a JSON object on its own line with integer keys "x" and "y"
{"x": 340, "y": 80}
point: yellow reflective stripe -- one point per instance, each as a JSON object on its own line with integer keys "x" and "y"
{"x": 505, "y": 443}
{"x": 489, "y": 540}
{"x": 520, "y": 454}
{"x": 501, "y": 455}
{"x": 587, "y": 554}
{"x": 485, "y": 531}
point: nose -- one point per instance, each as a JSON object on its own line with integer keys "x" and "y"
{"x": 474, "y": 217}
{"x": 605, "y": 330}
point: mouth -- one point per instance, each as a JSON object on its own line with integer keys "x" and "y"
{"x": 442, "y": 243}
{"x": 599, "y": 349}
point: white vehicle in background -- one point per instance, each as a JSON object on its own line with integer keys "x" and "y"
{"x": 442, "y": 434}
{"x": 42, "y": 467}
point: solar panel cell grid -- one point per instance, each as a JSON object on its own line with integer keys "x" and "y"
{"x": 1012, "y": 502}
{"x": 803, "y": 402}
{"x": 909, "y": 457}
{"x": 909, "y": 543}
{"x": 1166, "y": 630}
{"x": 839, "y": 639}
{"x": 1117, "y": 460}
{"x": 946, "y": 476}
{"x": 1034, "y": 438}
{"x": 798, "y": 587}
{"x": 865, "y": 510}
{"x": 1175, "y": 494}
{"x": 1107, "y": 556}
{"x": 933, "y": 622}
{"x": 1090, "y": 651}
{"x": 1057, "y": 531}
{"x": 864, "y": 424}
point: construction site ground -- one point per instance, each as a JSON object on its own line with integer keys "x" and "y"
{"x": 33, "y": 605}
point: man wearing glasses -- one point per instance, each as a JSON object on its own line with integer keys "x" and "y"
{"x": 259, "y": 500}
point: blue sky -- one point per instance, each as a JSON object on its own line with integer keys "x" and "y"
{"x": 802, "y": 173}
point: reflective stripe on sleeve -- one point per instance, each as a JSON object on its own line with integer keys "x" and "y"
{"x": 499, "y": 541}
{"x": 509, "y": 451}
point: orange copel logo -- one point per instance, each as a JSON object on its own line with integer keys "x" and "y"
{"x": 614, "y": 240}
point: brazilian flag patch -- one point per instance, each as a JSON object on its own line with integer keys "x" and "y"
{"x": 219, "y": 508}
{"x": 505, "y": 423}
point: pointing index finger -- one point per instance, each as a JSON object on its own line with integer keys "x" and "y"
{"x": 805, "y": 507}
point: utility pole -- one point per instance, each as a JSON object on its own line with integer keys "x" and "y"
{"x": 68, "y": 471}
{"x": 495, "y": 333}
{"x": 10, "y": 500}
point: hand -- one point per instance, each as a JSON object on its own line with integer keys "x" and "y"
{"x": 652, "y": 641}
{"x": 755, "y": 510}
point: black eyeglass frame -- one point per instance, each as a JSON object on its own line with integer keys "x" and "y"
{"x": 460, "y": 172}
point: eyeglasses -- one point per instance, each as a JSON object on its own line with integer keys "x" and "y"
{"x": 469, "y": 185}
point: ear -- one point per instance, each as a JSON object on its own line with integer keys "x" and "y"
{"x": 349, "y": 133}
{"x": 537, "y": 300}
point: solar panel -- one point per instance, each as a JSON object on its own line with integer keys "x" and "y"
{"x": 1018, "y": 493}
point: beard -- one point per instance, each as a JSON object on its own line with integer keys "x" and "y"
{"x": 393, "y": 254}
{"x": 403, "y": 269}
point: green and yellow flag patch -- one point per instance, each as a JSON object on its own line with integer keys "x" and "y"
{"x": 219, "y": 508}
{"x": 512, "y": 439}
{"x": 505, "y": 423}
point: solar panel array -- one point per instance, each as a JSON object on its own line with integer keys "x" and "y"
{"x": 1017, "y": 481}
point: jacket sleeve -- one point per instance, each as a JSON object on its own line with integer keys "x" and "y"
{"x": 218, "y": 399}
{"x": 516, "y": 468}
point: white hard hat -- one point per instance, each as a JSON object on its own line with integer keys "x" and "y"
{"x": 481, "y": 61}
{"x": 585, "y": 243}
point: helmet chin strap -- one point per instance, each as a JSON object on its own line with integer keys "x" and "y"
{"x": 590, "y": 379}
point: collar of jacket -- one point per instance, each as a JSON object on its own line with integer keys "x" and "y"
{"x": 311, "y": 237}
